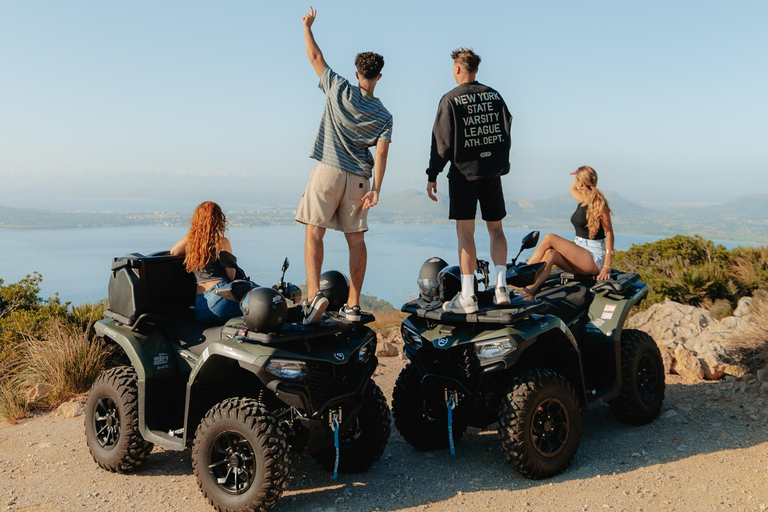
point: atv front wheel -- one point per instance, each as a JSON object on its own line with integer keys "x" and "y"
{"x": 112, "y": 421}
{"x": 363, "y": 444}
{"x": 540, "y": 424}
{"x": 642, "y": 379}
{"x": 240, "y": 456}
{"x": 421, "y": 417}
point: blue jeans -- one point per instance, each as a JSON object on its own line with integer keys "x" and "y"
{"x": 210, "y": 308}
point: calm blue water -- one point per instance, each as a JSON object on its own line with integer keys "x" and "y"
{"x": 75, "y": 262}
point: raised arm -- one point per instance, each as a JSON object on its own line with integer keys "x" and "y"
{"x": 179, "y": 247}
{"x": 605, "y": 220}
{"x": 576, "y": 188}
{"x": 379, "y": 167}
{"x": 313, "y": 51}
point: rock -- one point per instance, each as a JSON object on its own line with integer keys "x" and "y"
{"x": 668, "y": 359}
{"x": 743, "y": 307}
{"x": 687, "y": 365}
{"x": 735, "y": 370}
{"x": 714, "y": 369}
{"x": 39, "y": 392}
{"x": 386, "y": 349}
{"x": 71, "y": 409}
{"x": 746, "y": 377}
{"x": 762, "y": 375}
{"x": 764, "y": 387}
{"x": 669, "y": 414}
{"x": 670, "y": 320}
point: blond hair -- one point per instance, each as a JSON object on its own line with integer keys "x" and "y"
{"x": 594, "y": 200}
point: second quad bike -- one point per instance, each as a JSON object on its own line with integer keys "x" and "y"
{"x": 530, "y": 367}
{"x": 238, "y": 397}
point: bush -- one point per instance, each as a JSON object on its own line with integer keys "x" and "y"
{"x": 752, "y": 342}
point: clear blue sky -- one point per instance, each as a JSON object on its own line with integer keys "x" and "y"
{"x": 668, "y": 100}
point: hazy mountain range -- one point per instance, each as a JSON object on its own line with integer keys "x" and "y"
{"x": 741, "y": 219}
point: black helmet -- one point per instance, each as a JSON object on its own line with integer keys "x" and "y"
{"x": 449, "y": 282}
{"x": 335, "y": 287}
{"x": 428, "y": 285}
{"x": 264, "y": 310}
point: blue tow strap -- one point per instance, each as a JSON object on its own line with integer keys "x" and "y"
{"x": 451, "y": 403}
{"x": 335, "y": 428}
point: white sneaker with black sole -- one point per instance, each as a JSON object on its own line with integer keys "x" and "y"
{"x": 461, "y": 305}
{"x": 501, "y": 296}
{"x": 314, "y": 309}
{"x": 353, "y": 314}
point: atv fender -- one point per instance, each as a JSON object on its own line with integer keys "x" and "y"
{"x": 609, "y": 310}
{"x": 153, "y": 357}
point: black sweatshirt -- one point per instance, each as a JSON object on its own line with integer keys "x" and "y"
{"x": 472, "y": 131}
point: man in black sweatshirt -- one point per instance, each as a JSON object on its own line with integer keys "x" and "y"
{"x": 471, "y": 131}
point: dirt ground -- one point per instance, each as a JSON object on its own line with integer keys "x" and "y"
{"x": 707, "y": 451}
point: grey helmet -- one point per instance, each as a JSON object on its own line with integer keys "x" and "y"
{"x": 449, "y": 282}
{"x": 335, "y": 287}
{"x": 264, "y": 310}
{"x": 428, "y": 284}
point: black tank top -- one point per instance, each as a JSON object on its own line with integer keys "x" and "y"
{"x": 579, "y": 221}
{"x": 212, "y": 271}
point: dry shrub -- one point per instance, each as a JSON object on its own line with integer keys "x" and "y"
{"x": 65, "y": 358}
{"x": 752, "y": 341}
{"x": 388, "y": 321}
{"x": 720, "y": 309}
{"x": 13, "y": 400}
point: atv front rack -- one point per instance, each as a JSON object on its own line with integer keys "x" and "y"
{"x": 516, "y": 311}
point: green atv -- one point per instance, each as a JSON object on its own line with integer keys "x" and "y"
{"x": 530, "y": 367}
{"x": 238, "y": 398}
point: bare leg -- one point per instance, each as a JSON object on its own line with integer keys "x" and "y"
{"x": 498, "y": 243}
{"x": 465, "y": 230}
{"x": 358, "y": 258}
{"x": 313, "y": 257}
{"x": 566, "y": 255}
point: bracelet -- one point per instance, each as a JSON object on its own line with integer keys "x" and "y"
{"x": 606, "y": 266}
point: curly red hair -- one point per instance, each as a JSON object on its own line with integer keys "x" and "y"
{"x": 205, "y": 231}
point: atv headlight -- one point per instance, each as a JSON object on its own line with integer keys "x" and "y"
{"x": 366, "y": 351}
{"x": 287, "y": 369}
{"x": 411, "y": 337}
{"x": 493, "y": 348}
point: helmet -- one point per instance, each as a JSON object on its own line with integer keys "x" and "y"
{"x": 449, "y": 282}
{"x": 428, "y": 285}
{"x": 335, "y": 287}
{"x": 264, "y": 310}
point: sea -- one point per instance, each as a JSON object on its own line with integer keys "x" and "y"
{"x": 75, "y": 263}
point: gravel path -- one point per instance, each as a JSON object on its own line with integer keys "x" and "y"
{"x": 707, "y": 451}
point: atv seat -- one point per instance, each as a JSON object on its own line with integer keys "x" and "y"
{"x": 185, "y": 330}
{"x": 565, "y": 302}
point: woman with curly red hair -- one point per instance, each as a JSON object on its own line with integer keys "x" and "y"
{"x": 203, "y": 247}
{"x": 591, "y": 251}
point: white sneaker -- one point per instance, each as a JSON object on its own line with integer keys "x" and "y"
{"x": 314, "y": 310}
{"x": 461, "y": 305}
{"x": 501, "y": 297}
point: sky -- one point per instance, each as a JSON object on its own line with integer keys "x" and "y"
{"x": 186, "y": 100}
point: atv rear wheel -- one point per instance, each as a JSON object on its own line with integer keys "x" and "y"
{"x": 540, "y": 424}
{"x": 112, "y": 421}
{"x": 421, "y": 417}
{"x": 642, "y": 379}
{"x": 240, "y": 456}
{"x": 364, "y": 443}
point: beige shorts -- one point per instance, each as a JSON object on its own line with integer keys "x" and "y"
{"x": 334, "y": 199}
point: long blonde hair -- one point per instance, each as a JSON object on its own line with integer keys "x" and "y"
{"x": 593, "y": 199}
{"x": 205, "y": 232}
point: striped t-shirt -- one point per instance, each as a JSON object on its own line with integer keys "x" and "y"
{"x": 353, "y": 121}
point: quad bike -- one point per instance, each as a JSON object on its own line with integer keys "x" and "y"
{"x": 531, "y": 367}
{"x": 238, "y": 397}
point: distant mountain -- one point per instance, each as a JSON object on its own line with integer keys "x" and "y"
{"x": 411, "y": 206}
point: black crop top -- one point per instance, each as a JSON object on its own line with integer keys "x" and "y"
{"x": 579, "y": 221}
{"x": 212, "y": 271}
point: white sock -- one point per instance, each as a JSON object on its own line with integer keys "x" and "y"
{"x": 467, "y": 285}
{"x": 501, "y": 276}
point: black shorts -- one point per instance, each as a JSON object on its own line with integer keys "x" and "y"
{"x": 464, "y": 196}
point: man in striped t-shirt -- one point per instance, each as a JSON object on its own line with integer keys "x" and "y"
{"x": 339, "y": 194}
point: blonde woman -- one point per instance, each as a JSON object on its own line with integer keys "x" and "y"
{"x": 202, "y": 246}
{"x": 591, "y": 251}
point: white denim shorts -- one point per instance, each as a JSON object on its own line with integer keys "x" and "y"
{"x": 595, "y": 247}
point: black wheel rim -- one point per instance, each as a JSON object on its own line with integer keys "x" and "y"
{"x": 106, "y": 422}
{"x": 550, "y": 427}
{"x": 232, "y": 462}
{"x": 647, "y": 379}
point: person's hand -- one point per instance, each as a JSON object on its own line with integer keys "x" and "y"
{"x": 309, "y": 19}
{"x": 370, "y": 199}
{"x": 605, "y": 273}
{"x": 432, "y": 190}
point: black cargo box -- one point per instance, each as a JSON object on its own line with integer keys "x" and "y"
{"x": 156, "y": 284}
